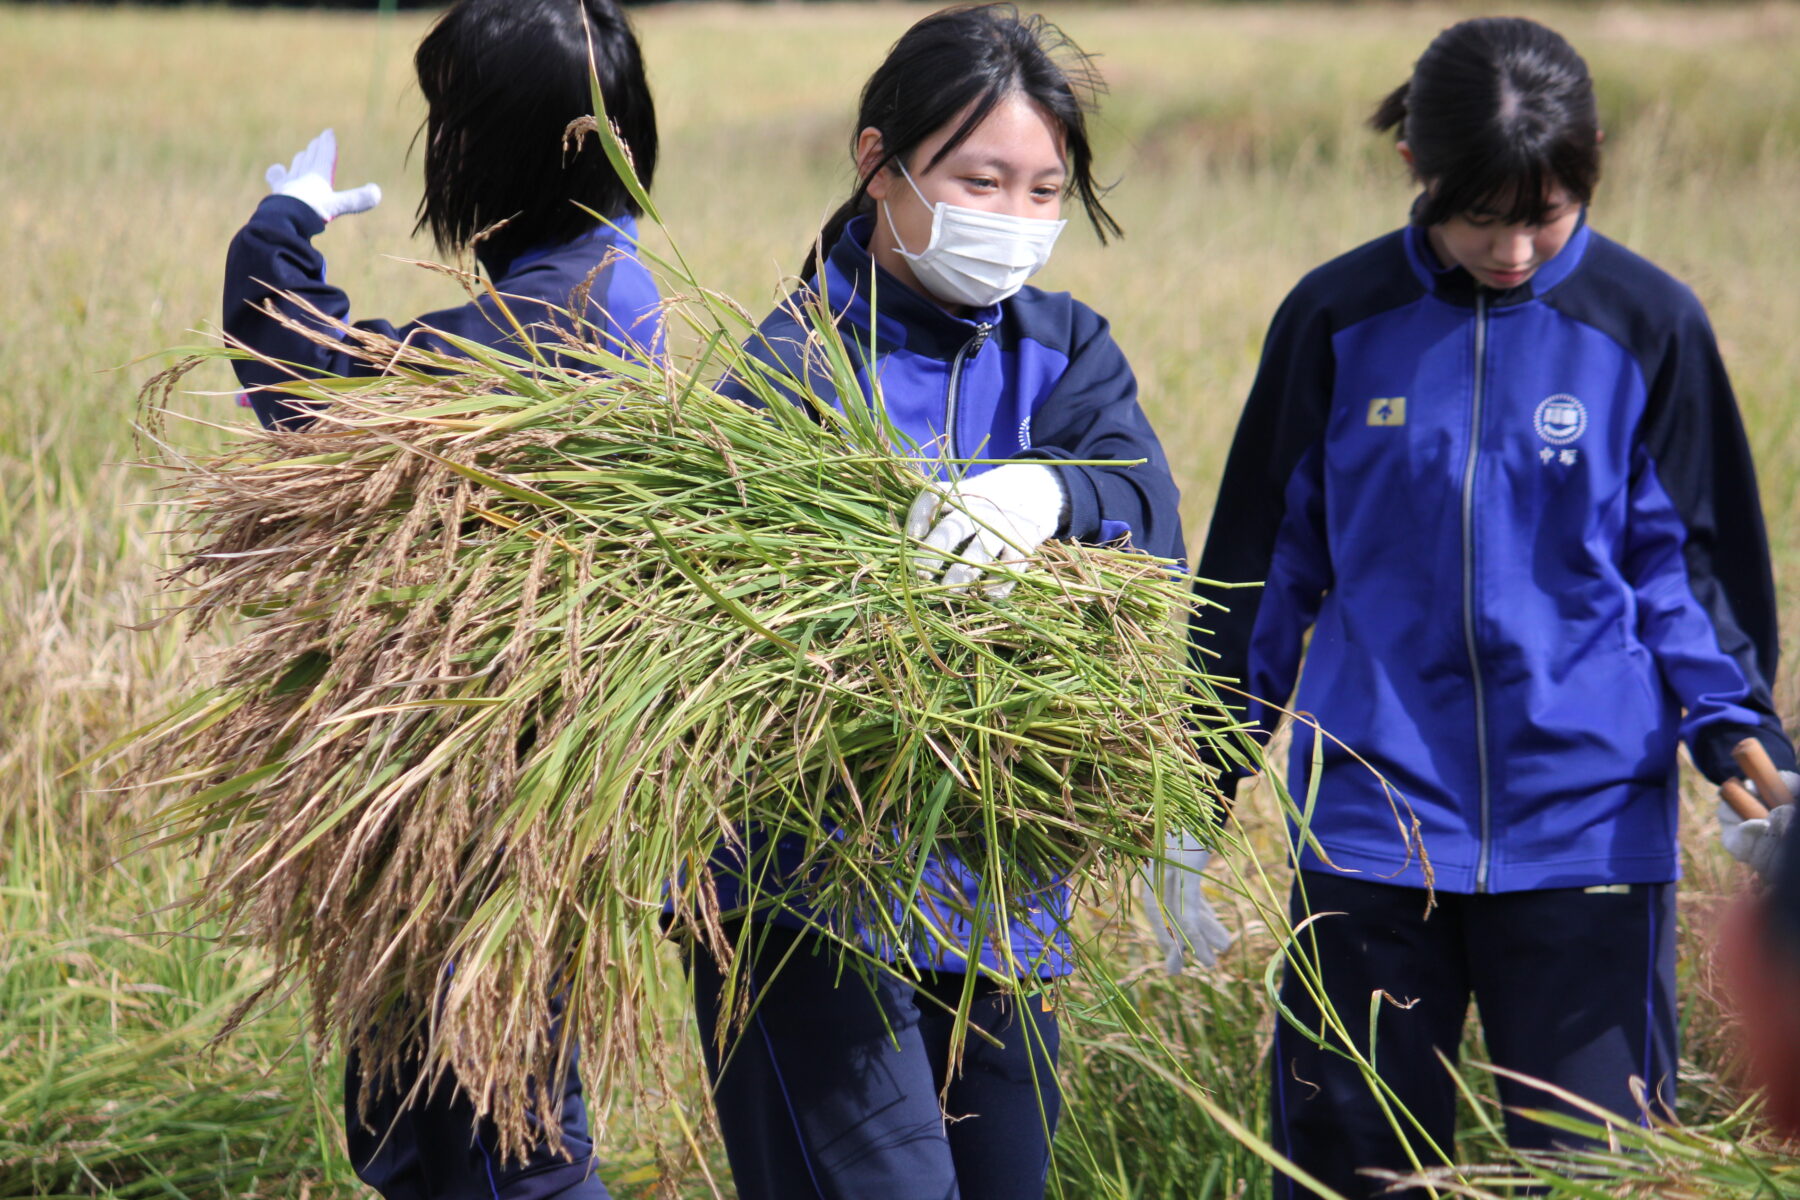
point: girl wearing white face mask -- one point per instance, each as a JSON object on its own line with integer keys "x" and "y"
{"x": 970, "y": 137}
{"x": 972, "y": 257}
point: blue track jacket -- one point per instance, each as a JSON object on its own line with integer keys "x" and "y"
{"x": 1523, "y": 530}
{"x": 1036, "y": 377}
{"x": 274, "y": 254}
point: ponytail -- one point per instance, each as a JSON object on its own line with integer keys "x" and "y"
{"x": 1498, "y": 113}
{"x": 846, "y": 212}
{"x": 1391, "y": 112}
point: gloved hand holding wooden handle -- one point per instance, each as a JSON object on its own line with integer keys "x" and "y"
{"x": 1745, "y": 805}
{"x": 1758, "y": 768}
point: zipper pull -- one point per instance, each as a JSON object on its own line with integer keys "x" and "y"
{"x": 982, "y": 331}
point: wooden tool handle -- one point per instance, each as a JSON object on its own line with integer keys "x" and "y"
{"x": 1759, "y": 769}
{"x": 1741, "y": 801}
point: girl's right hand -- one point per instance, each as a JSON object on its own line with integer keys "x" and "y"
{"x": 1001, "y": 516}
{"x": 309, "y": 179}
{"x": 1757, "y": 842}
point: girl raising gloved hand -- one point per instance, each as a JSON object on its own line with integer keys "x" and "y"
{"x": 502, "y": 79}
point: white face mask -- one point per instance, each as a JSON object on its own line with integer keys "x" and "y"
{"x": 974, "y": 257}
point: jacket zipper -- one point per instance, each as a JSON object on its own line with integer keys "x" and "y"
{"x": 1468, "y": 569}
{"x": 970, "y": 348}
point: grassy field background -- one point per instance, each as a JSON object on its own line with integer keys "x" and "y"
{"x": 134, "y": 146}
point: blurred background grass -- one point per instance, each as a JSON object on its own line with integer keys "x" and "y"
{"x": 134, "y": 146}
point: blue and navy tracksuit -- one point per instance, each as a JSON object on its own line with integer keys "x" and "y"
{"x": 272, "y": 257}
{"x": 813, "y": 1099}
{"x": 1522, "y": 528}
{"x": 434, "y": 1148}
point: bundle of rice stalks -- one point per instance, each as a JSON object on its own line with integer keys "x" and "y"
{"x": 519, "y": 646}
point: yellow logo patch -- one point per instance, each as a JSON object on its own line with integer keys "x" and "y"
{"x": 1388, "y": 410}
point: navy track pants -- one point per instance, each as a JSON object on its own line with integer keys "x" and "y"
{"x": 830, "y": 1090}
{"x": 1574, "y": 987}
{"x": 435, "y": 1149}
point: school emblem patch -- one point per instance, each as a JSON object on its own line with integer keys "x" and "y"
{"x": 1387, "y": 410}
{"x": 1560, "y": 419}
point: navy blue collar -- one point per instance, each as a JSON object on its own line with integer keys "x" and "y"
{"x": 625, "y": 232}
{"x": 851, "y": 278}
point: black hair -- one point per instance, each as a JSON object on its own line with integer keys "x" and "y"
{"x": 973, "y": 57}
{"x": 502, "y": 81}
{"x": 1498, "y": 110}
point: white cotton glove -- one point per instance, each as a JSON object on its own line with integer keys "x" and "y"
{"x": 1757, "y": 842}
{"x": 1172, "y": 895}
{"x": 309, "y": 177}
{"x": 1002, "y": 515}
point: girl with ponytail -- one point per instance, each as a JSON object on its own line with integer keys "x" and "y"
{"x": 1492, "y": 462}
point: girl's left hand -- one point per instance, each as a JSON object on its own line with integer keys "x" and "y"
{"x": 1186, "y": 925}
{"x": 1002, "y": 515}
{"x": 1758, "y": 841}
{"x": 310, "y": 180}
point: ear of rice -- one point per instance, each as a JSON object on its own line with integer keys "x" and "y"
{"x": 519, "y": 646}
